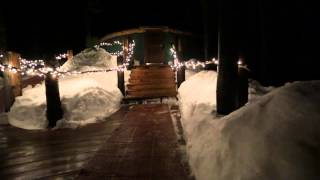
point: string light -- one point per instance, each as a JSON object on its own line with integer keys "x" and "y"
{"x": 130, "y": 52}
{"x": 37, "y": 67}
{"x": 120, "y": 52}
{"x": 62, "y": 56}
{"x": 129, "y": 49}
{"x": 215, "y": 61}
{"x": 193, "y": 64}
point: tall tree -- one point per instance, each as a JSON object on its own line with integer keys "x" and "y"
{"x": 231, "y": 19}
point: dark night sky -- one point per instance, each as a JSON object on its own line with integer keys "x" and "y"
{"x": 282, "y": 36}
{"x": 44, "y": 26}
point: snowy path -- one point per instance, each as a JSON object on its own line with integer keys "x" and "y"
{"x": 144, "y": 147}
{"x": 54, "y": 154}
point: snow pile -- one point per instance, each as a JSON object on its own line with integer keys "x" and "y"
{"x": 256, "y": 90}
{"x": 275, "y": 137}
{"x": 189, "y": 73}
{"x": 198, "y": 90}
{"x": 85, "y": 99}
{"x": 91, "y": 59}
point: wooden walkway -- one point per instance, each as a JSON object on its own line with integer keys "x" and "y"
{"x": 52, "y": 154}
{"x": 137, "y": 142}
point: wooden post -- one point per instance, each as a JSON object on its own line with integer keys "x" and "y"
{"x": 2, "y": 90}
{"x": 15, "y": 78}
{"x": 69, "y": 54}
{"x": 181, "y": 75}
{"x": 54, "y": 109}
{"x": 125, "y": 49}
{"x": 12, "y": 81}
{"x": 2, "y": 100}
{"x": 121, "y": 85}
{"x": 181, "y": 72}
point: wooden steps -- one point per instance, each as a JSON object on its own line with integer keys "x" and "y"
{"x": 152, "y": 81}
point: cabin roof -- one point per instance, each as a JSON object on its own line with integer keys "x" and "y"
{"x": 142, "y": 30}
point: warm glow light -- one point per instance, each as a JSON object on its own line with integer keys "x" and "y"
{"x": 62, "y": 56}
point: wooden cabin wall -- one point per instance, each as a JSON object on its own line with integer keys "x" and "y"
{"x": 191, "y": 46}
{"x": 139, "y": 48}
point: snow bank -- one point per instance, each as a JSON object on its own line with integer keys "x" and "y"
{"x": 275, "y": 137}
{"x": 85, "y": 98}
{"x": 198, "y": 90}
{"x": 91, "y": 59}
{"x": 256, "y": 90}
{"x": 190, "y": 73}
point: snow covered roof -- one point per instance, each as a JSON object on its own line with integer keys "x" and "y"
{"x": 142, "y": 30}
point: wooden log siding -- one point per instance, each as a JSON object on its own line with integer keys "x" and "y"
{"x": 154, "y": 81}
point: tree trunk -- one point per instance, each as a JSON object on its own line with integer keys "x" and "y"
{"x": 228, "y": 53}
{"x": 54, "y": 109}
{"x": 242, "y": 87}
{"x": 181, "y": 75}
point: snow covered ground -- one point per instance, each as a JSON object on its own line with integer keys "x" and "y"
{"x": 256, "y": 90}
{"x": 274, "y": 137}
{"x": 85, "y": 98}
